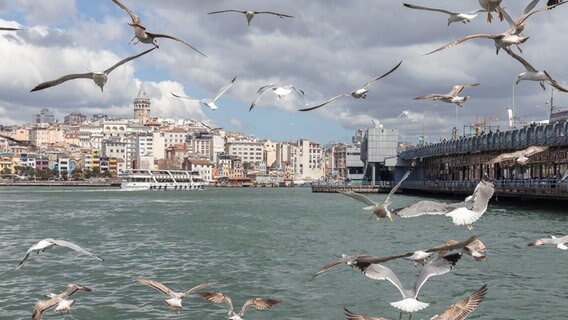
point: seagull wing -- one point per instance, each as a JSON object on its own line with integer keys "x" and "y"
{"x": 422, "y": 208}
{"x": 504, "y": 157}
{"x": 156, "y": 285}
{"x": 158, "y": 35}
{"x": 359, "y": 197}
{"x": 72, "y": 288}
{"x": 70, "y": 245}
{"x": 457, "y": 89}
{"x": 186, "y": 97}
{"x": 462, "y": 40}
{"x": 555, "y": 84}
{"x": 525, "y": 16}
{"x": 9, "y": 29}
{"x": 125, "y": 60}
{"x": 431, "y": 96}
{"x": 530, "y": 6}
{"x": 411, "y": 6}
{"x": 380, "y": 272}
{"x": 524, "y": 62}
{"x": 259, "y": 93}
{"x": 200, "y": 286}
{"x": 461, "y": 309}
{"x": 42, "y": 305}
{"x": 332, "y": 264}
{"x": 258, "y": 303}
{"x": 48, "y": 84}
{"x": 393, "y": 190}
{"x": 274, "y": 13}
{"x": 325, "y": 102}
{"x": 534, "y": 150}
{"x": 133, "y": 16}
{"x": 435, "y": 268}
{"x": 355, "y": 316}
{"x": 382, "y": 76}
{"x": 217, "y": 297}
{"x": 229, "y": 10}
{"x": 223, "y": 89}
{"x": 449, "y": 247}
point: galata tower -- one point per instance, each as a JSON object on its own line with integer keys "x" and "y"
{"x": 142, "y": 106}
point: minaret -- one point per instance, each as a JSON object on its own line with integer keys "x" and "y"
{"x": 142, "y": 106}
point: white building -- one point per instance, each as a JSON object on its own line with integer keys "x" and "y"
{"x": 247, "y": 151}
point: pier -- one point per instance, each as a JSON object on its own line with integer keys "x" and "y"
{"x": 383, "y": 187}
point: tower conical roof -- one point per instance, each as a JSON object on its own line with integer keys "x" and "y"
{"x": 142, "y": 92}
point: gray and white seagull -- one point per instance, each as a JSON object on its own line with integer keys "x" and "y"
{"x": 144, "y": 36}
{"x": 521, "y": 157}
{"x": 49, "y": 243}
{"x": 380, "y": 210}
{"x": 533, "y": 74}
{"x": 257, "y": 303}
{"x": 209, "y": 102}
{"x": 450, "y": 97}
{"x": 279, "y": 90}
{"x": 360, "y": 93}
{"x": 463, "y": 17}
{"x": 462, "y": 213}
{"x": 250, "y": 14}
{"x": 99, "y": 77}
{"x": 410, "y": 303}
{"x": 559, "y": 242}
{"x": 64, "y": 305}
{"x": 175, "y": 297}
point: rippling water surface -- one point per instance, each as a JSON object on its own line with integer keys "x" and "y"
{"x": 263, "y": 242}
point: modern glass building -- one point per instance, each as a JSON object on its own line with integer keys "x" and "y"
{"x": 377, "y": 145}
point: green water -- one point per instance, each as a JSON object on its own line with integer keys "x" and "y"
{"x": 262, "y": 242}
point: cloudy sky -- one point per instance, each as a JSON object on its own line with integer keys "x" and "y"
{"x": 329, "y": 47}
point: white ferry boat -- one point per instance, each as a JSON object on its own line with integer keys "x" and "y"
{"x": 141, "y": 179}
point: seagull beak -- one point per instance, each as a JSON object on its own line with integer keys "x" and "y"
{"x": 390, "y": 218}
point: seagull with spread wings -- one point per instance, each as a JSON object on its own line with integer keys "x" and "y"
{"x": 457, "y": 311}
{"x": 99, "y": 77}
{"x": 410, "y": 303}
{"x": 209, "y": 102}
{"x": 144, "y": 36}
{"x": 559, "y": 242}
{"x": 380, "y": 210}
{"x": 452, "y": 96}
{"x": 360, "y": 93}
{"x": 359, "y": 261}
{"x": 257, "y": 303}
{"x": 175, "y": 297}
{"x": 64, "y": 305}
{"x": 533, "y": 74}
{"x": 279, "y": 91}
{"x": 521, "y": 156}
{"x": 463, "y": 17}
{"x": 250, "y": 14}
{"x": 462, "y": 213}
{"x": 505, "y": 39}
{"x": 49, "y": 243}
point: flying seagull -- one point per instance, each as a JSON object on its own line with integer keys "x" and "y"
{"x": 175, "y": 297}
{"x": 100, "y": 77}
{"x": 534, "y": 75}
{"x": 209, "y": 102}
{"x": 463, "y": 17}
{"x": 359, "y": 93}
{"x": 250, "y": 14}
{"x": 457, "y": 311}
{"x": 558, "y": 242}
{"x": 257, "y": 303}
{"x": 380, "y": 210}
{"x": 462, "y": 213}
{"x": 504, "y": 39}
{"x": 359, "y": 261}
{"x": 467, "y": 246}
{"x": 49, "y": 243}
{"x": 63, "y": 305}
{"x": 279, "y": 91}
{"x": 492, "y": 5}
{"x": 521, "y": 156}
{"x": 452, "y": 96}
{"x": 144, "y": 36}
{"x": 410, "y": 303}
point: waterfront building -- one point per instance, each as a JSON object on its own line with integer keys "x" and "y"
{"x": 203, "y": 167}
{"x": 165, "y": 138}
{"x": 201, "y": 145}
{"x": 338, "y": 163}
{"x": 43, "y": 117}
{"x": 142, "y": 106}
{"x": 308, "y": 160}
{"x": 377, "y": 145}
{"x": 248, "y": 151}
{"x": 354, "y": 164}
{"x": 230, "y": 167}
{"x": 63, "y": 165}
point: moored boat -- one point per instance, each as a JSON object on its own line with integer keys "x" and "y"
{"x": 141, "y": 179}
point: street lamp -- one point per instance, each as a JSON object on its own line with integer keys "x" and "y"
{"x": 423, "y": 122}
{"x": 403, "y": 113}
{"x": 513, "y": 108}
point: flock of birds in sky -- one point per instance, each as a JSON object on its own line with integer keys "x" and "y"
{"x": 463, "y": 213}
{"x": 513, "y": 36}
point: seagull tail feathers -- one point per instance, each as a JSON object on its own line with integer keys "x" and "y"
{"x": 410, "y": 305}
